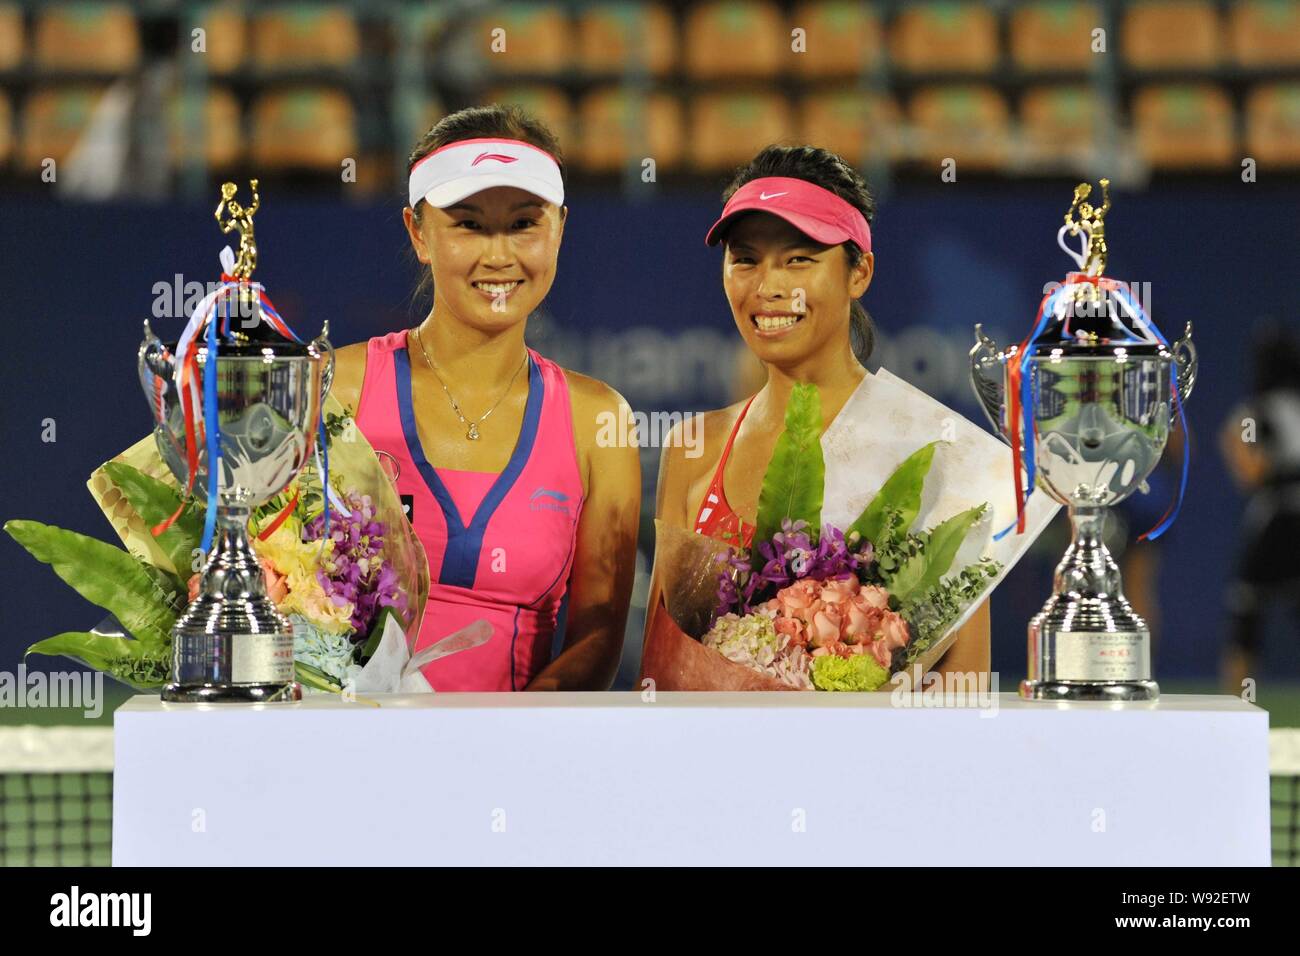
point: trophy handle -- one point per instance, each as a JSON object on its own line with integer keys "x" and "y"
{"x": 322, "y": 343}
{"x": 988, "y": 391}
{"x": 154, "y": 362}
{"x": 1184, "y": 353}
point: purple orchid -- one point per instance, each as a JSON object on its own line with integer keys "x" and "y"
{"x": 789, "y": 556}
{"x": 356, "y": 570}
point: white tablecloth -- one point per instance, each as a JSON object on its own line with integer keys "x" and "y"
{"x": 690, "y": 779}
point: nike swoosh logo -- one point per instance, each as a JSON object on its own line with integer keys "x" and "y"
{"x": 770, "y": 195}
{"x": 499, "y": 157}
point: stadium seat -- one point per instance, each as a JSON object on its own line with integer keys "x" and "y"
{"x": 1170, "y": 34}
{"x": 1059, "y": 123}
{"x": 735, "y": 39}
{"x": 426, "y": 113}
{"x": 226, "y": 37}
{"x": 1054, "y": 36}
{"x": 53, "y": 120}
{"x": 945, "y": 37}
{"x": 967, "y": 123}
{"x": 310, "y": 128}
{"x": 1266, "y": 33}
{"x": 1184, "y": 126}
{"x": 547, "y": 103}
{"x": 617, "y": 36}
{"x": 727, "y": 129}
{"x": 6, "y": 129}
{"x": 538, "y": 38}
{"x": 861, "y": 127}
{"x": 11, "y": 36}
{"x": 87, "y": 38}
{"x": 844, "y": 38}
{"x": 220, "y": 142}
{"x": 308, "y": 36}
{"x": 614, "y": 127}
{"x": 1273, "y": 124}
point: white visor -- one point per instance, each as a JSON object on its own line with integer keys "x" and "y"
{"x": 452, "y": 172}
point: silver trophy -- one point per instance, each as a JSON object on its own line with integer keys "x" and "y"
{"x": 1101, "y": 410}
{"x": 231, "y": 643}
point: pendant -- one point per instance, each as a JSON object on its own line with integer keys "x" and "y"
{"x": 472, "y": 434}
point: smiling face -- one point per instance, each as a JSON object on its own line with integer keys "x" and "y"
{"x": 493, "y": 254}
{"x": 789, "y": 295}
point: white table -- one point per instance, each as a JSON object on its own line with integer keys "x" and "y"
{"x": 690, "y": 779}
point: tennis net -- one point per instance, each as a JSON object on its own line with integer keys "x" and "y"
{"x": 56, "y": 796}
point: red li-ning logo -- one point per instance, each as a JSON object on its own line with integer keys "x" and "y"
{"x": 499, "y": 157}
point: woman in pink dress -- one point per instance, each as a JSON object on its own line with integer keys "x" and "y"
{"x": 517, "y": 503}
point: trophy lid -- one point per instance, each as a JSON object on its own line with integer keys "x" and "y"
{"x": 247, "y": 324}
{"x": 1095, "y": 315}
{"x": 246, "y": 331}
{"x": 1091, "y": 313}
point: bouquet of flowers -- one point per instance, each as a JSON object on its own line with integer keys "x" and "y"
{"x": 817, "y": 604}
{"x": 342, "y": 589}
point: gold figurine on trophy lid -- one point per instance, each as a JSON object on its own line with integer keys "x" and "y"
{"x": 1092, "y": 222}
{"x": 240, "y": 217}
{"x": 1092, "y": 258}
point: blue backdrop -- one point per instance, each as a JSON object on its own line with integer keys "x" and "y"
{"x": 638, "y": 302}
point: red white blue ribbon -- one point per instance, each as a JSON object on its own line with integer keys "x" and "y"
{"x": 207, "y": 428}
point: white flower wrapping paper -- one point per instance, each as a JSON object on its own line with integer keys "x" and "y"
{"x": 392, "y": 669}
{"x": 885, "y": 421}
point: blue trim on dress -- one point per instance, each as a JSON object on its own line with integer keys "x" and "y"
{"x": 465, "y": 543}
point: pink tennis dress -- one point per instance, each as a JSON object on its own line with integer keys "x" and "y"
{"x": 500, "y": 545}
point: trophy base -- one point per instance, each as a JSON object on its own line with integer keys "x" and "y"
{"x": 1067, "y": 690}
{"x": 231, "y": 693}
{"x": 1088, "y": 642}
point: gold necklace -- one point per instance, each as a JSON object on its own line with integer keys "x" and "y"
{"x": 471, "y": 428}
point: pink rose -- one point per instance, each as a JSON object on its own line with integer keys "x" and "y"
{"x": 792, "y": 627}
{"x": 895, "y": 630}
{"x": 839, "y": 590}
{"x": 808, "y": 613}
{"x": 875, "y": 596}
{"x": 277, "y": 586}
{"x": 880, "y": 652}
{"x": 891, "y": 633}
{"x": 796, "y": 596}
{"x": 857, "y": 622}
{"x": 826, "y": 626}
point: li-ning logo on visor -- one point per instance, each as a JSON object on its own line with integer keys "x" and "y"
{"x": 499, "y": 157}
{"x": 770, "y": 195}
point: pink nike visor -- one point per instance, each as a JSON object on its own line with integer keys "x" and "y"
{"x": 816, "y": 212}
